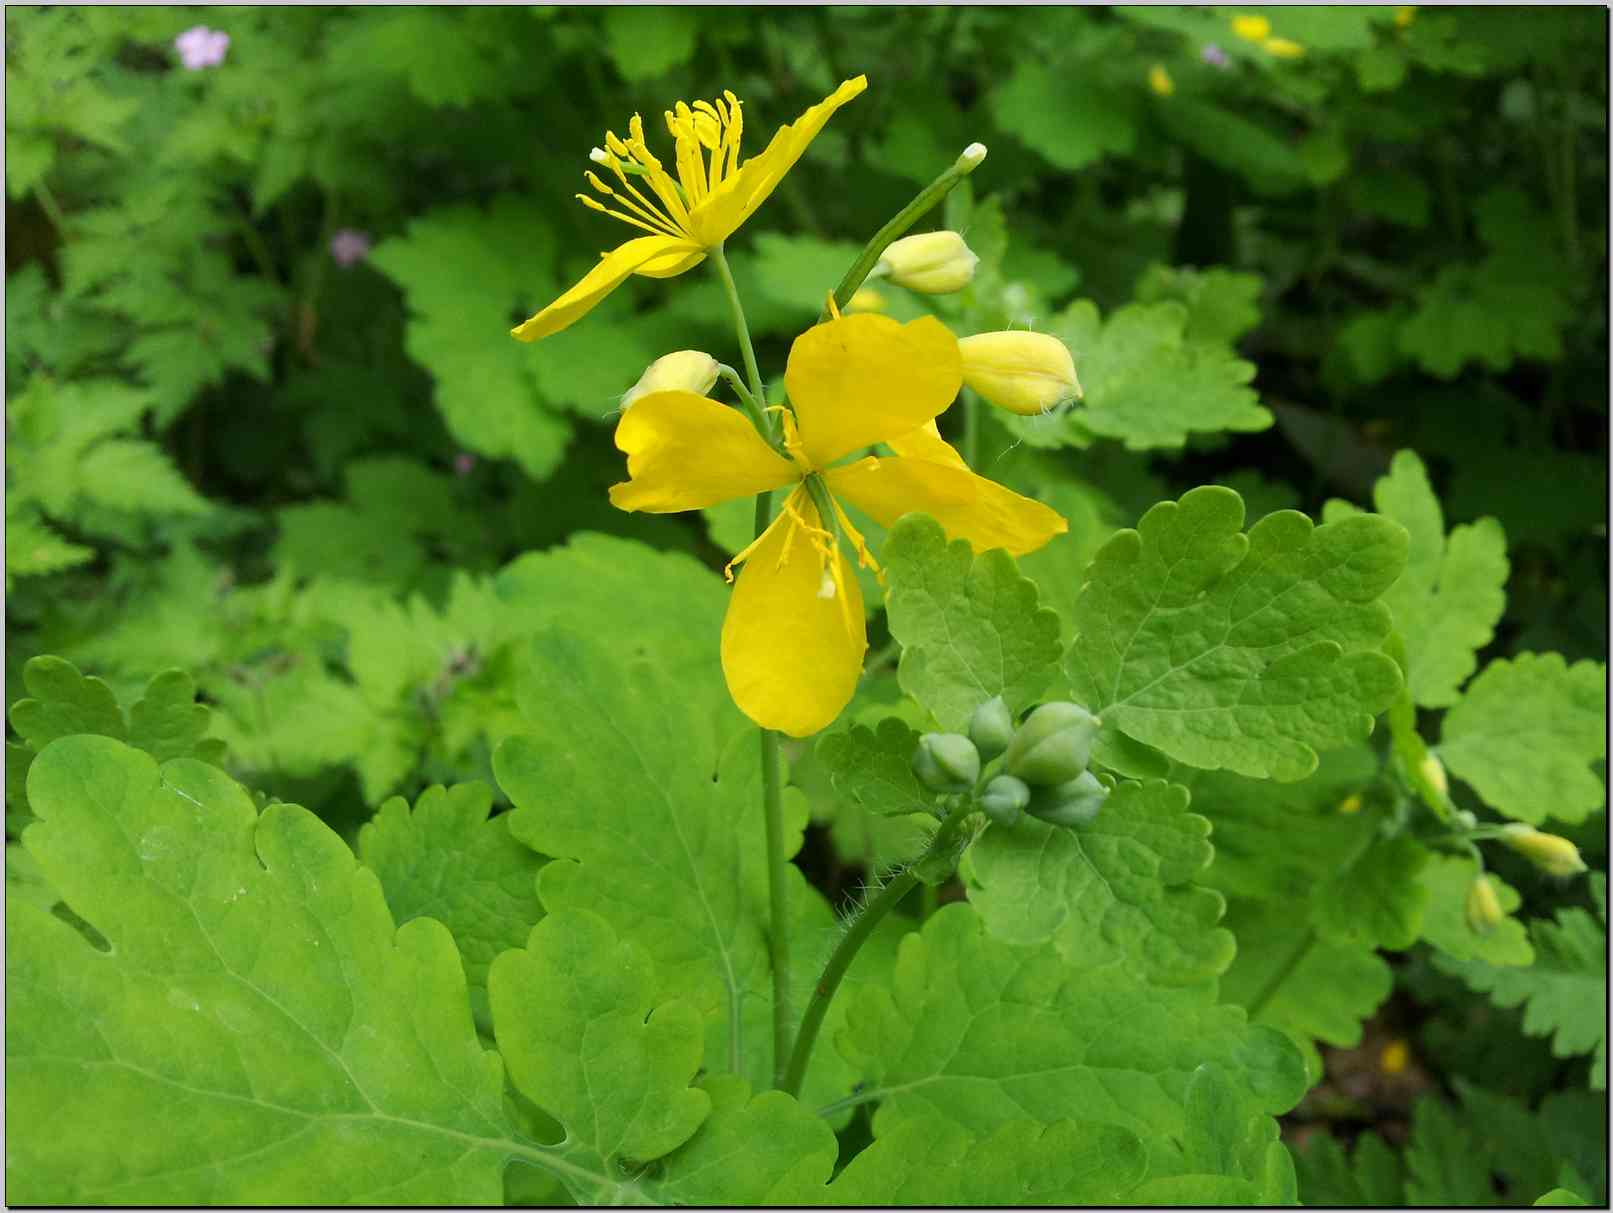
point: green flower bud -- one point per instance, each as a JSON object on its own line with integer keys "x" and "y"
{"x": 991, "y": 728}
{"x": 946, "y": 762}
{"x": 1005, "y": 799}
{"x": 1484, "y": 911}
{"x": 1070, "y": 804}
{"x": 1054, "y": 744}
{"x": 1551, "y": 853}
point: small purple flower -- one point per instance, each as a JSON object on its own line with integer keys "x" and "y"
{"x": 349, "y": 246}
{"x": 201, "y": 47}
{"x": 1214, "y": 55}
{"x": 464, "y": 463}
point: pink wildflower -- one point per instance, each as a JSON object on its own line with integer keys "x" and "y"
{"x": 464, "y": 463}
{"x": 201, "y": 47}
{"x": 1213, "y": 55}
{"x": 349, "y": 246}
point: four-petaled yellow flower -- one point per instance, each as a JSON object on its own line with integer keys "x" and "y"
{"x": 692, "y": 212}
{"x": 794, "y": 636}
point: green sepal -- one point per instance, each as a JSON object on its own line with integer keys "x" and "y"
{"x": 1054, "y": 744}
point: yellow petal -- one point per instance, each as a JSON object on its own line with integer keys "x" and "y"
{"x": 670, "y": 265}
{"x": 685, "y": 452}
{"x": 967, "y": 506}
{"x": 865, "y": 379}
{"x": 926, "y": 443}
{"x": 791, "y": 655}
{"x": 612, "y": 270}
{"x": 736, "y": 199}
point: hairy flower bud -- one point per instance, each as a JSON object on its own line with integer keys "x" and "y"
{"x": 1551, "y": 853}
{"x": 946, "y": 762}
{"x": 1054, "y": 744}
{"x": 1005, "y": 799}
{"x": 932, "y": 263}
{"x": 679, "y": 371}
{"x": 1484, "y": 912}
{"x": 991, "y": 728}
{"x": 1074, "y": 803}
{"x": 1021, "y": 371}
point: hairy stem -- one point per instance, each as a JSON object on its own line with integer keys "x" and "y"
{"x": 905, "y": 218}
{"x": 778, "y": 934}
{"x": 857, "y": 932}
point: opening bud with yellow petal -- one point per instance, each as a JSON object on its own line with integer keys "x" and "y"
{"x": 932, "y": 263}
{"x": 1005, "y": 798}
{"x": 1551, "y": 853}
{"x": 991, "y": 727}
{"x": 1075, "y": 803}
{"x": 680, "y": 371}
{"x": 1024, "y": 372}
{"x": 1433, "y": 770}
{"x": 1484, "y": 911}
{"x": 1053, "y": 746}
{"x": 946, "y": 762}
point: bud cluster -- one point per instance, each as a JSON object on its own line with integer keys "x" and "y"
{"x": 1044, "y": 763}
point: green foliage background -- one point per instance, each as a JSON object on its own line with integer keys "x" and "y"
{"x": 354, "y": 515}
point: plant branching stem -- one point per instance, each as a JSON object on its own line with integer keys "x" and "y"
{"x": 857, "y": 932}
{"x": 905, "y": 218}
{"x": 778, "y": 934}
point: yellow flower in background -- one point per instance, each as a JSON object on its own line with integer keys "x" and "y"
{"x": 1405, "y": 14}
{"x": 794, "y": 636}
{"x": 696, "y": 210}
{"x": 1160, "y": 80}
{"x": 1283, "y": 48}
{"x": 1251, "y": 28}
{"x": 867, "y": 299}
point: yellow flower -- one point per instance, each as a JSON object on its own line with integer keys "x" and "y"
{"x": 1251, "y": 28}
{"x": 696, "y": 210}
{"x": 1394, "y": 1058}
{"x": 1283, "y": 48}
{"x": 867, "y": 299}
{"x": 1160, "y": 80}
{"x": 794, "y": 636}
{"x": 1405, "y": 14}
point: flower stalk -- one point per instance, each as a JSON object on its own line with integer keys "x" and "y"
{"x": 858, "y": 930}
{"x": 778, "y": 933}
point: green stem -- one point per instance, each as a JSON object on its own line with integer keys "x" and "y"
{"x": 52, "y": 208}
{"x": 905, "y": 218}
{"x": 746, "y": 350}
{"x": 857, "y": 933}
{"x": 750, "y": 404}
{"x": 772, "y": 778}
{"x": 971, "y": 428}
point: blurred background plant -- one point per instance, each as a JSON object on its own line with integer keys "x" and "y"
{"x": 265, "y": 422}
